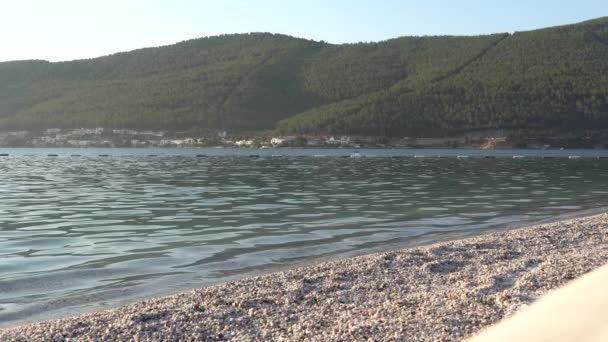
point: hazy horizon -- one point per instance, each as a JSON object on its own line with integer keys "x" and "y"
{"x": 69, "y": 30}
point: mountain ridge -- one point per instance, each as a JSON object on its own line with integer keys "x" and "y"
{"x": 263, "y": 81}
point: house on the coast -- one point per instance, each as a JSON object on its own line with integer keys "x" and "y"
{"x": 280, "y": 141}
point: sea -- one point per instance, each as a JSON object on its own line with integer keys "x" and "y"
{"x": 89, "y": 229}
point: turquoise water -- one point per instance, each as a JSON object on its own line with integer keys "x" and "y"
{"x": 83, "y": 232}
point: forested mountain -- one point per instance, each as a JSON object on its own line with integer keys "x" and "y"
{"x": 549, "y": 78}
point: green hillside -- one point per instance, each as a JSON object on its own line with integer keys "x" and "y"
{"x": 549, "y": 78}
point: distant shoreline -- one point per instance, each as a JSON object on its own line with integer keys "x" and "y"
{"x": 310, "y": 148}
{"x": 130, "y": 138}
{"x": 444, "y": 290}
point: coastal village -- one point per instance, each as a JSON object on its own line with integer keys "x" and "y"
{"x": 102, "y": 137}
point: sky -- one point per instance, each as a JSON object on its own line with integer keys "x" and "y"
{"x": 59, "y": 30}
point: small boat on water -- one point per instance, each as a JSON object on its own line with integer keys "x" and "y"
{"x": 489, "y": 157}
{"x": 3, "y": 154}
{"x": 518, "y": 157}
{"x": 418, "y": 156}
{"x": 462, "y": 157}
{"x": 355, "y": 154}
{"x": 574, "y": 157}
{"x": 52, "y": 155}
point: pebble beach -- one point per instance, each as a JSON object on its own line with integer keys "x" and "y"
{"x": 442, "y": 292}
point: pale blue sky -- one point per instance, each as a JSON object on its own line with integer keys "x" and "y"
{"x": 72, "y": 29}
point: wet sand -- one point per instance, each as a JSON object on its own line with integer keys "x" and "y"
{"x": 445, "y": 291}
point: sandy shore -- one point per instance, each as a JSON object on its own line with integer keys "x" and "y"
{"x": 445, "y": 291}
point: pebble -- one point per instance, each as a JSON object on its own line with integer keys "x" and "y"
{"x": 441, "y": 292}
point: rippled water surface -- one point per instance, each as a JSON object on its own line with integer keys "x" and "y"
{"x": 82, "y": 232}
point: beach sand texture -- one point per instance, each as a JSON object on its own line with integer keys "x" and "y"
{"x": 441, "y": 292}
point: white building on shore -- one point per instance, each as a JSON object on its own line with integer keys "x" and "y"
{"x": 244, "y": 143}
{"x": 279, "y": 141}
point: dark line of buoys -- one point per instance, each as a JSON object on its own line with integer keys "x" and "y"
{"x": 391, "y": 157}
